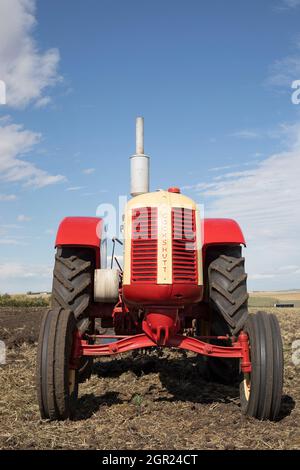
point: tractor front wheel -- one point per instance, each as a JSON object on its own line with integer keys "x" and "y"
{"x": 57, "y": 380}
{"x": 261, "y": 389}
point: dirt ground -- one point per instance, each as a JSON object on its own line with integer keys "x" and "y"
{"x": 140, "y": 401}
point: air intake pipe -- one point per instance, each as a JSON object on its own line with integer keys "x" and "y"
{"x": 139, "y": 163}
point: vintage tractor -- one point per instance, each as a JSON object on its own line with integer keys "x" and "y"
{"x": 183, "y": 285}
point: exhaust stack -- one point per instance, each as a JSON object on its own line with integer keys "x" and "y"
{"x": 139, "y": 163}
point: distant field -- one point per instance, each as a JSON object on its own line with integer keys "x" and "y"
{"x": 24, "y": 300}
{"x": 256, "y": 299}
{"x": 269, "y": 298}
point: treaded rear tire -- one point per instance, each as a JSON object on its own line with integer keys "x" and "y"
{"x": 261, "y": 390}
{"x": 228, "y": 289}
{"x": 57, "y": 393}
{"x": 72, "y": 289}
{"x": 227, "y": 295}
{"x": 73, "y": 280}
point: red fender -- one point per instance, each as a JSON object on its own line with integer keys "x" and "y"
{"x": 222, "y": 232}
{"x": 81, "y": 231}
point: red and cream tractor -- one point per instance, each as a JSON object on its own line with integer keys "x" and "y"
{"x": 182, "y": 285}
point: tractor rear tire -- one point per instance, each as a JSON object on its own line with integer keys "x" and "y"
{"x": 261, "y": 389}
{"x": 57, "y": 382}
{"x": 72, "y": 289}
{"x": 228, "y": 289}
{"x": 228, "y": 304}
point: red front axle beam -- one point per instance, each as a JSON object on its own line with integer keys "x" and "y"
{"x": 239, "y": 349}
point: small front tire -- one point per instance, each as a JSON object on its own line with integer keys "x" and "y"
{"x": 261, "y": 389}
{"x": 57, "y": 381}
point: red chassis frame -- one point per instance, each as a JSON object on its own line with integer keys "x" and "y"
{"x": 239, "y": 349}
{"x": 86, "y": 231}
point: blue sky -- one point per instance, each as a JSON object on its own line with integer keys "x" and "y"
{"x": 213, "y": 81}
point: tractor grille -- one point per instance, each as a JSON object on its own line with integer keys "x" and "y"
{"x": 144, "y": 245}
{"x": 184, "y": 245}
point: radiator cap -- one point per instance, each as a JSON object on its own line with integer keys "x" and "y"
{"x": 174, "y": 189}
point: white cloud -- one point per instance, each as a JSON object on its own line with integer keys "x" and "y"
{"x": 8, "y": 197}
{"x": 11, "y": 241}
{"x": 74, "y": 188}
{"x": 265, "y": 201}
{"x": 19, "y": 277}
{"x": 23, "y": 218}
{"x": 284, "y": 71}
{"x": 234, "y": 174}
{"x": 42, "y": 102}
{"x": 221, "y": 168}
{"x": 94, "y": 193}
{"x": 15, "y": 142}
{"x": 26, "y": 70}
{"x": 289, "y": 268}
{"x": 255, "y": 134}
{"x": 18, "y": 270}
{"x": 291, "y": 3}
{"x": 4, "y": 119}
{"x": 88, "y": 171}
{"x": 8, "y": 226}
{"x": 260, "y": 276}
{"x": 246, "y": 134}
